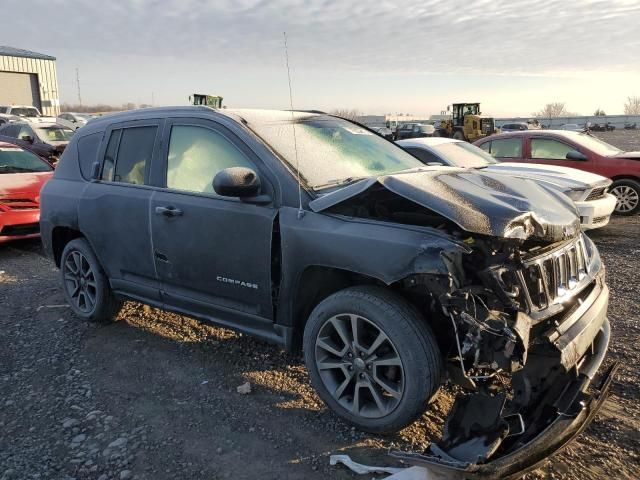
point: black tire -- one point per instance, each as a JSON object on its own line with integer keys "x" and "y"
{"x": 409, "y": 336}
{"x": 627, "y": 192}
{"x": 105, "y": 305}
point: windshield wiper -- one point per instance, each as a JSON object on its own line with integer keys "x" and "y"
{"x": 337, "y": 182}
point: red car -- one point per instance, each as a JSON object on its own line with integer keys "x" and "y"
{"x": 577, "y": 150}
{"x": 22, "y": 175}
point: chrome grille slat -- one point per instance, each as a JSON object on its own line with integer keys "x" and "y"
{"x": 549, "y": 279}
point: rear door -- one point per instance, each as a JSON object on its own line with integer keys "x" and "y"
{"x": 212, "y": 253}
{"x": 114, "y": 210}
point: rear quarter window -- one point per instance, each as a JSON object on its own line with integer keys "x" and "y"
{"x": 88, "y": 153}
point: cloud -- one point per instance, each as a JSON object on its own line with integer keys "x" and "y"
{"x": 546, "y": 37}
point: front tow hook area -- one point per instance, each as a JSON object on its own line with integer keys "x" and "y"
{"x": 472, "y": 445}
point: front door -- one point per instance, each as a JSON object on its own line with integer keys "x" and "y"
{"x": 212, "y": 253}
{"x": 554, "y": 152}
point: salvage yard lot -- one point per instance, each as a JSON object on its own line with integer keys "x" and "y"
{"x": 153, "y": 396}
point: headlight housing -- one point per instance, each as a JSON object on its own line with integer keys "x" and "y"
{"x": 575, "y": 194}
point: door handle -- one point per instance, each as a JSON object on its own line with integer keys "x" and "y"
{"x": 168, "y": 211}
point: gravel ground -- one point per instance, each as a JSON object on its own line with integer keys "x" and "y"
{"x": 153, "y": 396}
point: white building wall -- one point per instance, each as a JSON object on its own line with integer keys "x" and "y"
{"x": 47, "y": 79}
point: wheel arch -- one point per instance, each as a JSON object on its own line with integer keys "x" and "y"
{"x": 60, "y": 237}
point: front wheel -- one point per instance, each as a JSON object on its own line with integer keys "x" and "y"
{"x": 372, "y": 358}
{"x": 627, "y": 193}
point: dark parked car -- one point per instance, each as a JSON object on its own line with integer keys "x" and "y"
{"x": 383, "y": 132}
{"x": 414, "y": 130}
{"x": 48, "y": 140}
{"x": 577, "y": 150}
{"x": 385, "y": 271}
{"x": 514, "y": 127}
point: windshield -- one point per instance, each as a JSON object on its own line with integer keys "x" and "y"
{"x": 330, "y": 150}
{"x": 465, "y": 155}
{"x": 54, "y": 134}
{"x": 13, "y": 160}
{"x": 596, "y": 145}
{"x": 25, "y": 112}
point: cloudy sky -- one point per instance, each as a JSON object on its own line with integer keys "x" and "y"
{"x": 376, "y": 56}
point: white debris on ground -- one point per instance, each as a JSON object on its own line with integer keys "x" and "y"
{"x": 244, "y": 389}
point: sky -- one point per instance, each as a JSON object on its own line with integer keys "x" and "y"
{"x": 376, "y": 56}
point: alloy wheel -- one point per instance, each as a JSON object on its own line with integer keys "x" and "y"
{"x": 359, "y": 366}
{"x": 627, "y": 198}
{"x": 80, "y": 281}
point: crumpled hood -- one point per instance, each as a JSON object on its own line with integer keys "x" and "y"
{"x": 565, "y": 178}
{"x": 477, "y": 201}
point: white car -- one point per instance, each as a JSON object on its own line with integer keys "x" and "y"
{"x": 73, "y": 120}
{"x": 587, "y": 190}
{"x": 25, "y": 113}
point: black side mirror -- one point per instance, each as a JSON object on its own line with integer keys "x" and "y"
{"x": 576, "y": 155}
{"x": 27, "y": 138}
{"x": 237, "y": 182}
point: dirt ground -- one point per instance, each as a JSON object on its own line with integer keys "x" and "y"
{"x": 153, "y": 396}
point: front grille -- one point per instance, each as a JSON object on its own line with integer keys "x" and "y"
{"x": 486, "y": 126}
{"x": 546, "y": 282}
{"x": 596, "y": 193}
{"x": 551, "y": 278}
{"x": 19, "y": 204}
{"x": 19, "y": 230}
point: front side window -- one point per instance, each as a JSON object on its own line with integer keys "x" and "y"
{"x": 424, "y": 155}
{"x": 544, "y": 148}
{"x": 197, "y": 154}
{"x": 506, "y": 148}
{"x": 128, "y": 152}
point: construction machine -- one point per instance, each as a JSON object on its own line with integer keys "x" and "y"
{"x": 212, "y": 101}
{"x": 465, "y": 122}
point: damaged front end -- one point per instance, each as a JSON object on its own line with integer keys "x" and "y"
{"x": 520, "y": 316}
{"x": 528, "y": 333}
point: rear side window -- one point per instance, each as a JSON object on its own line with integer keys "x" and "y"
{"x": 424, "y": 156}
{"x": 128, "y": 152}
{"x": 197, "y": 154}
{"x": 545, "y": 148}
{"x": 506, "y": 148}
{"x": 88, "y": 153}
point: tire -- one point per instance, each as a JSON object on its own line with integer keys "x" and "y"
{"x": 458, "y": 135}
{"x": 85, "y": 285}
{"x": 405, "y": 369}
{"x": 627, "y": 193}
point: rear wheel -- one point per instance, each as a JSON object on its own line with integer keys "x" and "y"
{"x": 627, "y": 193}
{"x": 372, "y": 358}
{"x": 86, "y": 287}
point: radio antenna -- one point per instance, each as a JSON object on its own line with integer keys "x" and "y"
{"x": 293, "y": 126}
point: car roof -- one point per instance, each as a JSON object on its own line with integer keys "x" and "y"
{"x": 426, "y": 142}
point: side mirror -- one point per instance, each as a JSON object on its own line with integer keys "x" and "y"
{"x": 27, "y": 138}
{"x": 237, "y": 182}
{"x": 576, "y": 155}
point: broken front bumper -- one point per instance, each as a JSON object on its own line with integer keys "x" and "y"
{"x": 552, "y": 420}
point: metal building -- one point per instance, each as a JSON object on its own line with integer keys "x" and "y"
{"x": 29, "y": 78}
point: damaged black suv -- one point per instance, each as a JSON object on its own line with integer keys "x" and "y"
{"x": 393, "y": 276}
